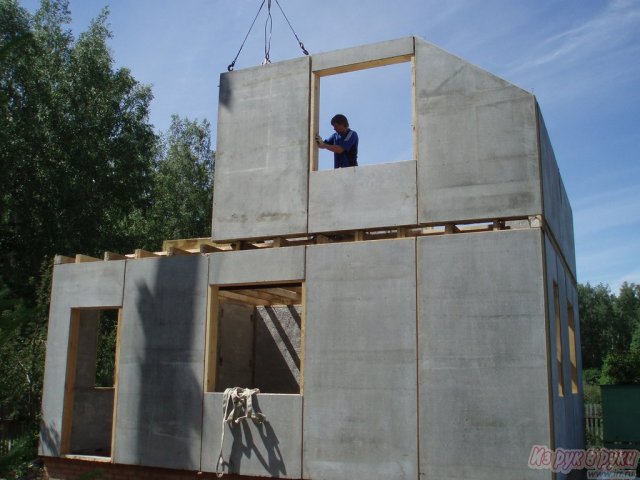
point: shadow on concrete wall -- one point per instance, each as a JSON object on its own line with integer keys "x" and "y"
{"x": 273, "y": 463}
{"x": 170, "y": 299}
{"x": 49, "y": 438}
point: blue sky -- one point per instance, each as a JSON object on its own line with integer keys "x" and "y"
{"x": 581, "y": 58}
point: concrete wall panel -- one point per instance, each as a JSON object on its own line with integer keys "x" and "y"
{"x": 557, "y": 209}
{"x": 160, "y": 384}
{"x": 362, "y": 54}
{"x": 96, "y": 284}
{"x": 360, "y": 361}
{"x": 567, "y": 409}
{"x": 483, "y": 392}
{"x": 254, "y": 266}
{"x": 262, "y": 156}
{"x": 363, "y": 197}
{"x": 272, "y": 449}
{"x": 476, "y": 140}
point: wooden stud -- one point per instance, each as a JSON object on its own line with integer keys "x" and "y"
{"x": 211, "y": 342}
{"x": 70, "y": 381}
{"x": 451, "y": 228}
{"x": 364, "y": 65}
{"x": 113, "y": 256}
{"x": 279, "y": 242}
{"x": 231, "y": 295}
{"x": 175, "y": 251}
{"x": 320, "y": 239}
{"x": 140, "y": 253}
{"x": 303, "y": 322}
{"x": 267, "y": 298}
{"x": 358, "y": 235}
{"x": 86, "y": 258}
{"x": 61, "y": 260}
{"x": 116, "y": 378}
{"x": 401, "y": 232}
{"x": 283, "y": 292}
{"x": 314, "y": 123}
{"x": 206, "y": 248}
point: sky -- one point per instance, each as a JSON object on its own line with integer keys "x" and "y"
{"x": 580, "y": 58}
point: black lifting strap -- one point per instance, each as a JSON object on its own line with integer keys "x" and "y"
{"x": 304, "y": 50}
{"x": 233, "y": 64}
{"x": 267, "y": 42}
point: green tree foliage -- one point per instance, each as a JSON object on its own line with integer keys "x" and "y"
{"x": 596, "y": 313}
{"x": 82, "y": 172}
{"x": 76, "y": 148}
{"x": 182, "y": 186}
{"x": 610, "y": 333}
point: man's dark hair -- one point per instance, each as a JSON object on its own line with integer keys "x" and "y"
{"x": 340, "y": 120}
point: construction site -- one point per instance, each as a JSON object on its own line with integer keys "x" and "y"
{"x": 427, "y": 330}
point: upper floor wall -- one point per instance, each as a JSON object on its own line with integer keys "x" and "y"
{"x": 481, "y": 152}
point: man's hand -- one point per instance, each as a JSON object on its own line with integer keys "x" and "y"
{"x": 319, "y": 140}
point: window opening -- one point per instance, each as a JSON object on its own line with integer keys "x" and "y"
{"x": 90, "y": 386}
{"x": 559, "y": 363}
{"x": 378, "y": 102}
{"x": 254, "y": 338}
{"x": 572, "y": 350}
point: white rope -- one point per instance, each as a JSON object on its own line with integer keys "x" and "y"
{"x": 237, "y": 405}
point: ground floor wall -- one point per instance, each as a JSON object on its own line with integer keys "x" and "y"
{"x": 427, "y": 357}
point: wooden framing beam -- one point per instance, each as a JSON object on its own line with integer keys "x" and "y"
{"x": 85, "y": 258}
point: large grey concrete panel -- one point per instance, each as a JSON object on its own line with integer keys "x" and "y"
{"x": 477, "y": 147}
{"x": 257, "y": 266}
{"x": 272, "y": 449}
{"x": 161, "y": 363}
{"x": 362, "y": 54}
{"x": 483, "y": 394}
{"x": 557, "y": 209}
{"x": 567, "y": 409}
{"x": 84, "y": 285}
{"x": 262, "y": 156}
{"x": 363, "y": 197}
{"x": 360, "y": 402}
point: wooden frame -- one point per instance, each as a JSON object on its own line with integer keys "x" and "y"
{"x": 317, "y": 74}
{"x": 70, "y": 381}
{"x": 262, "y": 294}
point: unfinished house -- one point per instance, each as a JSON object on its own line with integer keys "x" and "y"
{"x": 428, "y": 331}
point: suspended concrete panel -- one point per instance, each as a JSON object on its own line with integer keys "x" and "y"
{"x": 348, "y": 59}
{"x": 363, "y": 197}
{"x": 482, "y": 355}
{"x": 161, "y": 367}
{"x": 477, "y": 147}
{"x": 261, "y": 180}
{"x": 360, "y": 361}
{"x": 85, "y": 285}
{"x": 271, "y": 449}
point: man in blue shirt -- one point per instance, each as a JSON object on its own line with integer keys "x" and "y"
{"x": 343, "y": 143}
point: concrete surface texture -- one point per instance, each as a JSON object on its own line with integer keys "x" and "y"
{"x": 431, "y": 356}
{"x": 352, "y": 198}
{"x": 86, "y": 285}
{"x": 483, "y": 357}
{"x": 263, "y": 144}
{"x": 360, "y": 402}
{"x": 161, "y": 368}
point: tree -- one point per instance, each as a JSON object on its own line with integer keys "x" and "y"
{"x": 182, "y": 185}
{"x": 77, "y": 148}
{"x": 610, "y": 333}
{"x": 596, "y": 307}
